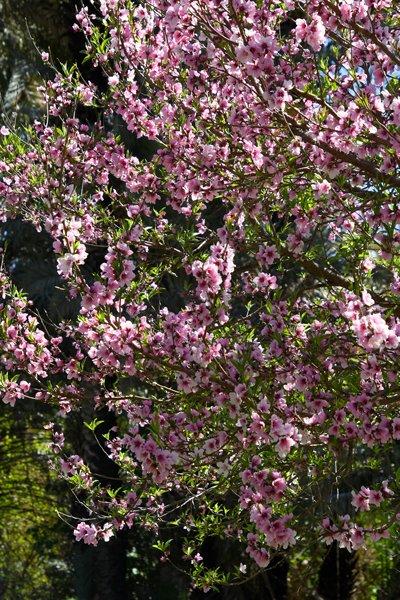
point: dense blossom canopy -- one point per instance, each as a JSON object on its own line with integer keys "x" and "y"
{"x": 251, "y": 394}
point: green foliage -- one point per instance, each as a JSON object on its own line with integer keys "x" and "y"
{"x": 34, "y": 542}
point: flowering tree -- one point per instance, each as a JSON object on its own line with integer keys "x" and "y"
{"x": 248, "y": 407}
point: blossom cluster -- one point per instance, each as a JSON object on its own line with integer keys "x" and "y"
{"x": 245, "y": 293}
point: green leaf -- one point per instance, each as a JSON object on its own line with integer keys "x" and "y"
{"x": 398, "y": 478}
{"x": 162, "y": 546}
{"x": 92, "y": 426}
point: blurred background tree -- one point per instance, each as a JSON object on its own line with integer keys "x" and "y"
{"x": 35, "y": 552}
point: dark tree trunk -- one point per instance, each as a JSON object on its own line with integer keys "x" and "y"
{"x": 337, "y": 575}
{"x": 100, "y": 571}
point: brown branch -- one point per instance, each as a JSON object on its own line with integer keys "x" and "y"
{"x": 333, "y": 278}
{"x": 351, "y": 158}
{"x": 366, "y": 33}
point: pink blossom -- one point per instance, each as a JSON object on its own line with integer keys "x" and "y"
{"x": 372, "y": 331}
{"x": 313, "y": 33}
{"x": 87, "y": 533}
{"x": 284, "y": 446}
